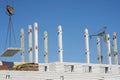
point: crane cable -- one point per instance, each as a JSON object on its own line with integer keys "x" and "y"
{"x": 10, "y": 29}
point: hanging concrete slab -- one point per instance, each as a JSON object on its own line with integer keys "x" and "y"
{"x": 10, "y": 52}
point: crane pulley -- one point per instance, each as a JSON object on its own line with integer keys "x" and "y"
{"x": 10, "y": 10}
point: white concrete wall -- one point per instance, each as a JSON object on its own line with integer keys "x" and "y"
{"x": 56, "y": 71}
{"x": 36, "y": 75}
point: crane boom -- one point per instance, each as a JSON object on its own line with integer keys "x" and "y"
{"x": 100, "y": 33}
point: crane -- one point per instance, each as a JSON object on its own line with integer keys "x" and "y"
{"x": 99, "y": 35}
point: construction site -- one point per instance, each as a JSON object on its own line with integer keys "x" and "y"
{"x": 60, "y": 70}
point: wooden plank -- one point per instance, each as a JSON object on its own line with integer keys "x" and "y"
{"x": 10, "y": 52}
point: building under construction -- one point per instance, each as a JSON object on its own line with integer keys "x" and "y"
{"x": 58, "y": 70}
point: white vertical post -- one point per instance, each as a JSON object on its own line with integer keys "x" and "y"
{"x": 115, "y": 48}
{"x": 30, "y": 43}
{"x": 45, "y": 47}
{"x": 60, "y": 43}
{"x": 99, "y": 51}
{"x": 35, "y": 42}
{"x": 87, "y": 46}
{"x": 22, "y": 45}
{"x": 108, "y": 49}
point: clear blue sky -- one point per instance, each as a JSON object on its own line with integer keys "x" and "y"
{"x": 73, "y": 15}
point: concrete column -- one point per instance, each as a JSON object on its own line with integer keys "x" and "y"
{"x": 45, "y": 47}
{"x": 60, "y": 43}
{"x": 22, "y": 45}
{"x": 108, "y": 49}
{"x": 99, "y": 51}
{"x": 30, "y": 43}
{"x": 115, "y": 48}
{"x": 87, "y": 53}
{"x": 35, "y": 42}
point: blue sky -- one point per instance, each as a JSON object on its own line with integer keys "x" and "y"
{"x": 73, "y": 15}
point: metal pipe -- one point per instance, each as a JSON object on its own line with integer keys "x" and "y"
{"x": 22, "y": 45}
{"x": 108, "y": 49}
{"x": 87, "y": 53}
{"x": 45, "y": 47}
{"x": 115, "y": 48}
{"x": 30, "y": 43}
{"x": 60, "y": 43}
{"x": 35, "y": 42}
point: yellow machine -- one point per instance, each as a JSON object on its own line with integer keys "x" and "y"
{"x": 26, "y": 67}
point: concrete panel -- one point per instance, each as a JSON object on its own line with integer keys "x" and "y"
{"x": 10, "y": 52}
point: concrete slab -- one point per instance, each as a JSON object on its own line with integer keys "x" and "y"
{"x": 10, "y": 52}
